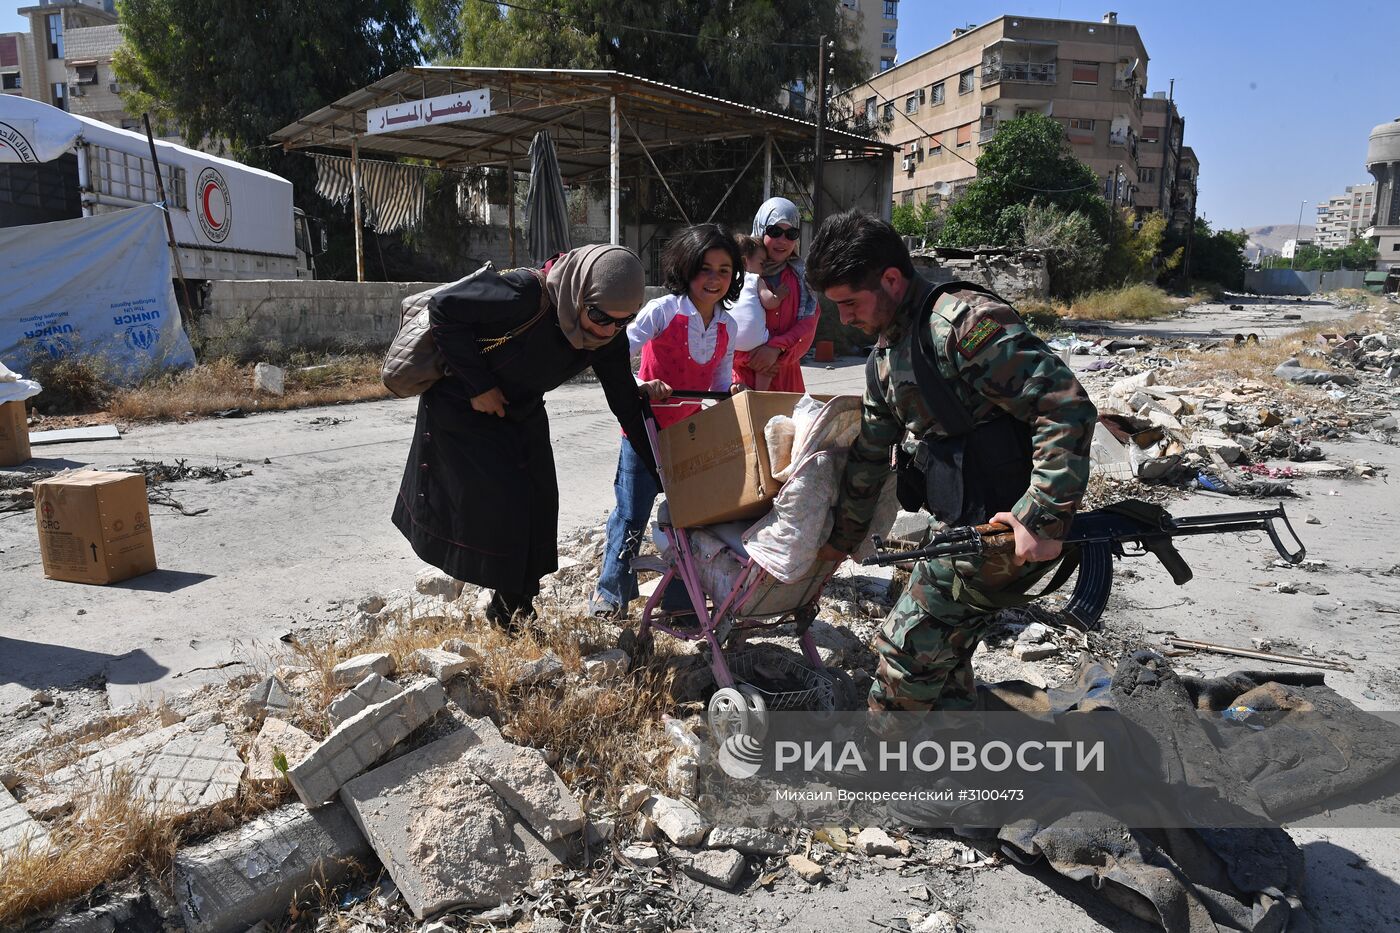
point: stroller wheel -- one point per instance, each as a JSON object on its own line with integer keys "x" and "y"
{"x": 844, "y": 695}
{"x": 730, "y": 714}
{"x": 758, "y": 710}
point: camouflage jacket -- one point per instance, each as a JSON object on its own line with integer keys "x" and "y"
{"x": 994, "y": 363}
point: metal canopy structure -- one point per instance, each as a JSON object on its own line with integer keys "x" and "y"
{"x": 597, "y": 118}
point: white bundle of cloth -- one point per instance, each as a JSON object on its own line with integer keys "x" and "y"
{"x": 808, "y": 453}
{"x": 14, "y": 387}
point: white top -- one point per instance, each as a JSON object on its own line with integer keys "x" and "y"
{"x": 749, "y": 315}
{"x": 658, "y": 314}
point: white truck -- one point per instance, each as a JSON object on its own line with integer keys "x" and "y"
{"x": 231, "y": 221}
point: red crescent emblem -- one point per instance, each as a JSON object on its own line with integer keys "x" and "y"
{"x": 210, "y": 187}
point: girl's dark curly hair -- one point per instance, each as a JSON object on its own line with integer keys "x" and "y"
{"x": 685, "y": 256}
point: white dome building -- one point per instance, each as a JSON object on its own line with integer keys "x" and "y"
{"x": 1383, "y": 162}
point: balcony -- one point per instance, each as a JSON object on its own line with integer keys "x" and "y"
{"x": 1124, "y": 139}
{"x": 1023, "y": 72}
{"x": 988, "y": 130}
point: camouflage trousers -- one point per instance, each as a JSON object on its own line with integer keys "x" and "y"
{"x": 925, "y": 646}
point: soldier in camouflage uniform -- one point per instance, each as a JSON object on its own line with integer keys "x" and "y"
{"x": 995, "y": 365}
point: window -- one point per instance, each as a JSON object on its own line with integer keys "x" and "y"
{"x": 10, "y": 82}
{"x": 891, "y": 9}
{"x": 59, "y": 93}
{"x": 55, "y": 24}
{"x": 870, "y": 110}
{"x": 887, "y": 39}
{"x": 1085, "y": 73}
{"x": 9, "y": 52}
{"x": 911, "y": 103}
{"x": 87, "y": 74}
{"x": 1081, "y": 130}
{"x": 1147, "y": 176}
{"x": 935, "y": 145}
{"x": 965, "y": 82}
{"x": 964, "y": 135}
{"x": 1151, "y": 134}
{"x": 889, "y": 111}
{"x": 886, "y": 64}
{"x": 936, "y": 93}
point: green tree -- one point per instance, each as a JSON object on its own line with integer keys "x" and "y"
{"x": 1073, "y": 247}
{"x": 1029, "y": 158}
{"x": 1135, "y": 249}
{"x": 227, "y": 75}
{"x": 1218, "y": 255}
{"x": 741, "y": 50}
{"x": 923, "y": 220}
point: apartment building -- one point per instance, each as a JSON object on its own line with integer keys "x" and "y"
{"x": 1159, "y": 155}
{"x": 1188, "y": 174}
{"x": 41, "y": 69}
{"x": 1345, "y": 217}
{"x": 878, "y": 26}
{"x": 944, "y": 104}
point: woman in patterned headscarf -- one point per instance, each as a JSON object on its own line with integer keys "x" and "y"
{"x": 792, "y": 324}
{"x": 479, "y": 498}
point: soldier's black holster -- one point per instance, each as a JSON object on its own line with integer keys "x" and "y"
{"x": 967, "y": 472}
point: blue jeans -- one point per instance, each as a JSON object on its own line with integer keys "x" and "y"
{"x": 636, "y": 491}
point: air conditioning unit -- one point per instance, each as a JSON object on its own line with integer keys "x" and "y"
{"x": 76, "y": 90}
{"x": 909, "y": 163}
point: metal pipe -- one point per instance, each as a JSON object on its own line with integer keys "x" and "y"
{"x": 614, "y": 173}
{"x": 187, "y": 312}
{"x": 355, "y": 198}
{"x": 84, "y": 179}
{"x": 510, "y": 206}
{"x": 767, "y": 166}
{"x": 1194, "y": 645}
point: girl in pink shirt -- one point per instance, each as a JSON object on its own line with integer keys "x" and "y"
{"x": 686, "y": 341}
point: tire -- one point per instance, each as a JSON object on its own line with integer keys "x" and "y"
{"x": 844, "y": 695}
{"x": 728, "y": 714}
{"x": 758, "y": 711}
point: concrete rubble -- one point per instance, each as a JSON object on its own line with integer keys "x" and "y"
{"x": 445, "y": 837}
{"x": 442, "y": 665}
{"x": 806, "y": 869}
{"x": 523, "y": 778}
{"x": 606, "y": 665}
{"x": 19, "y": 829}
{"x": 374, "y": 688}
{"x": 721, "y": 868}
{"x": 270, "y": 379}
{"x": 268, "y": 695}
{"x": 255, "y": 872}
{"x": 678, "y": 819}
{"x": 363, "y": 739}
{"x": 875, "y": 841}
{"x": 545, "y": 667}
{"x": 748, "y": 840}
{"x": 433, "y": 582}
{"x": 279, "y": 747}
{"x": 353, "y": 670}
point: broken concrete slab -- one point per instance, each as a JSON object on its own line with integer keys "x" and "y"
{"x": 606, "y": 665}
{"x": 470, "y": 650}
{"x": 747, "y": 839}
{"x": 633, "y": 796}
{"x": 806, "y": 869}
{"x": 257, "y": 871}
{"x": 268, "y": 695}
{"x": 445, "y": 837}
{"x": 18, "y": 828}
{"x": 537, "y": 671}
{"x": 374, "y": 688}
{"x": 1024, "y": 651}
{"x": 270, "y": 379}
{"x": 99, "y": 432}
{"x": 279, "y": 747}
{"x": 720, "y": 868}
{"x": 678, "y": 819}
{"x": 643, "y": 856}
{"x": 433, "y": 582}
{"x": 875, "y": 841}
{"x": 362, "y": 740}
{"x": 444, "y": 665}
{"x": 527, "y": 782}
{"x": 353, "y": 670}
{"x": 192, "y": 772}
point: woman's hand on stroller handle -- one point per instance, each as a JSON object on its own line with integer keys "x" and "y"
{"x": 655, "y": 390}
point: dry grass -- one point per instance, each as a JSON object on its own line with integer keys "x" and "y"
{"x": 1255, "y": 359}
{"x": 223, "y": 384}
{"x": 1129, "y": 303}
{"x": 118, "y": 833}
{"x": 602, "y": 733}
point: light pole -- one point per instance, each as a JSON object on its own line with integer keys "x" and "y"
{"x": 1297, "y": 228}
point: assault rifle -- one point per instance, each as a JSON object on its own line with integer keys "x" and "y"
{"x": 1098, "y": 536}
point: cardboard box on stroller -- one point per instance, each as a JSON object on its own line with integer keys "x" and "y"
{"x": 715, "y": 463}
{"x": 94, "y": 526}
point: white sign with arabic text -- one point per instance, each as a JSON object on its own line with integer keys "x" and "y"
{"x": 467, "y": 105}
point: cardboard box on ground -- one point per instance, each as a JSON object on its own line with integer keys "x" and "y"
{"x": 715, "y": 463}
{"x": 94, "y": 526}
{"x": 14, "y": 434}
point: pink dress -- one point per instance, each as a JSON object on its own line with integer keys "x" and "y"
{"x": 677, "y": 348}
{"x": 788, "y": 332}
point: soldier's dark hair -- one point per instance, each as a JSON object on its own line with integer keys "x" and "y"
{"x": 855, "y": 249}
{"x": 684, "y": 257}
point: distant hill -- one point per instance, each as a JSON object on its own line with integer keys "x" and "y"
{"x": 1271, "y": 238}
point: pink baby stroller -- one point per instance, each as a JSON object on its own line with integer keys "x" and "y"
{"x": 732, "y": 596}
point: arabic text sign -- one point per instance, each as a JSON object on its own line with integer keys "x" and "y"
{"x": 467, "y": 105}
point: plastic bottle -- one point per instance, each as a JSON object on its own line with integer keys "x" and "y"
{"x": 685, "y": 739}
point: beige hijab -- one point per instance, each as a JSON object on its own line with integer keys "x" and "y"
{"x": 610, "y": 277}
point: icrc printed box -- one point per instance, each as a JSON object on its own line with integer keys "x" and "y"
{"x": 94, "y": 526}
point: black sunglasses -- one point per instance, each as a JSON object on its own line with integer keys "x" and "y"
{"x": 777, "y": 233}
{"x": 602, "y": 318}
